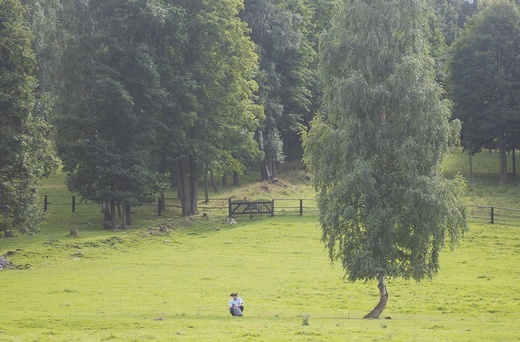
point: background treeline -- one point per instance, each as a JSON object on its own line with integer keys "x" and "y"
{"x": 136, "y": 96}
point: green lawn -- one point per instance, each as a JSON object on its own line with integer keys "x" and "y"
{"x": 133, "y": 286}
{"x": 136, "y": 285}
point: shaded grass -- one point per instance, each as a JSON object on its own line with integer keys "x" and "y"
{"x": 484, "y": 189}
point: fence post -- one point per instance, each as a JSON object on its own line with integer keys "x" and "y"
{"x": 159, "y": 212}
{"x": 301, "y": 207}
{"x": 73, "y": 204}
{"x": 229, "y": 208}
{"x": 45, "y": 203}
{"x": 272, "y": 208}
{"x": 492, "y": 215}
{"x": 250, "y": 210}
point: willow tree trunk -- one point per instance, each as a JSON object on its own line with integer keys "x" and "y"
{"x": 383, "y": 299}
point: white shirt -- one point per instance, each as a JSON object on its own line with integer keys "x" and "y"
{"x": 236, "y": 302}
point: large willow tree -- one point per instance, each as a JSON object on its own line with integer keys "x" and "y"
{"x": 376, "y": 151}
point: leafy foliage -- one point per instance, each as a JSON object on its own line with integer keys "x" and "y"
{"x": 485, "y": 80}
{"x": 281, "y": 31}
{"x": 110, "y": 98}
{"x": 208, "y": 65}
{"x": 375, "y": 151}
{"x": 25, "y": 152}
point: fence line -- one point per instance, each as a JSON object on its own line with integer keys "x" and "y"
{"x": 494, "y": 214}
{"x": 297, "y": 206}
{"x": 283, "y": 205}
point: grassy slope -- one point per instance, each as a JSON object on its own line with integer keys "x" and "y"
{"x": 131, "y": 285}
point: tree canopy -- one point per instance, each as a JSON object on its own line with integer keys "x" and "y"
{"x": 109, "y": 100}
{"x": 209, "y": 81}
{"x": 151, "y": 88}
{"x": 281, "y": 31}
{"x": 376, "y": 149}
{"x": 25, "y": 154}
{"x": 485, "y": 80}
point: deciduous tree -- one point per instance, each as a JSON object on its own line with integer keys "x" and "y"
{"x": 281, "y": 32}
{"x": 25, "y": 155}
{"x": 110, "y": 97}
{"x": 209, "y": 82}
{"x": 375, "y": 151}
{"x": 485, "y": 79}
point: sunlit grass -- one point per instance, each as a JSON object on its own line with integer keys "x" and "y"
{"x": 139, "y": 285}
{"x": 132, "y": 285}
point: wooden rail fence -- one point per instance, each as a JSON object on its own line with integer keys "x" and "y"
{"x": 283, "y": 206}
{"x": 494, "y": 214}
{"x": 232, "y": 207}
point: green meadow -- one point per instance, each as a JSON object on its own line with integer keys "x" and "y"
{"x": 143, "y": 285}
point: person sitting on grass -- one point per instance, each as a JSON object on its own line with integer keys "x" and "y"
{"x": 236, "y": 305}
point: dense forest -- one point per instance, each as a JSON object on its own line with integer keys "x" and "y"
{"x": 132, "y": 97}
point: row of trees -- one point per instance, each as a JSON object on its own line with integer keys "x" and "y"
{"x": 485, "y": 81}
{"x": 25, "y": 153}
{"x": 143, "y": 93}
{"x": 147, "y": 93}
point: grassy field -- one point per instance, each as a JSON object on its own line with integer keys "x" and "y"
{"x": 140, "y": 285}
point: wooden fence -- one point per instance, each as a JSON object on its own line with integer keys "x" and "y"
{"x": 494, "y": 214}
{"x": 281, "y": 206}
{"x": 233, "y": 208}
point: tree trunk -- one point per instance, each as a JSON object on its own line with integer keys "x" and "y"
{"x": 224, "y": 180}
{"x": 124, "y": 217}
{"x": 106, "y": 211}
{"x": 183, "y": 186}
{"x": 113, "y": 212}
{"x": 206, "y": 192}
{"x": 503, "y": 159}
{"x": 263, "y": 171}
{"x": 264, "y": 165}
{"x": 194, "y": 186}
{"x": 273, "y": 170}
{"x": 383, "y": 299}
{"x": 470, "y": 168}
{"x": 513, "y": 156}
{"x": 236, "y": 181}
{"x": 128, "y": 212}
{"x": 212, "y": 181}
{"x": 163, "y": 201}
